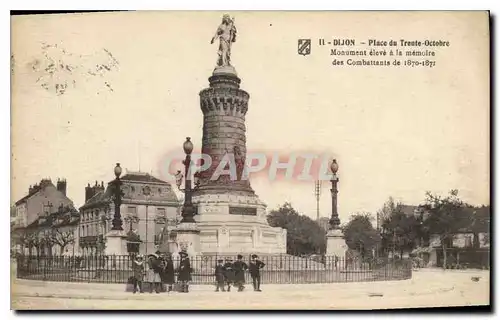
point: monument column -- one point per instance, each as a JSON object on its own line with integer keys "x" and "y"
{"x": 229, "y": 215}
{"x": 224, "y": 106}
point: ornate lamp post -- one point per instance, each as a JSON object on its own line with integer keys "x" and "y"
{"x": 335, "y": 242}
{"x": 187, "y": 209}
{"x": 146, "y": 191}
{"x": 117, "y": 199}
{"x": 187, "y": 233}
{"x": 334, "y": 220}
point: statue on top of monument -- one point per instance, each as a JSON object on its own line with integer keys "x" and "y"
{"x": 226, "y": 32}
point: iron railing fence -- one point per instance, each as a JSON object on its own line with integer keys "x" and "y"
{"x": 277, "y": 270}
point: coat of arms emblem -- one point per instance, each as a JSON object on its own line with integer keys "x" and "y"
{"x": 304, "y": 47}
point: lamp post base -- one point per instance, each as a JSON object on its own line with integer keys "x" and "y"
{"x": 335, "y": 244}
{"x": 116, "y": 243}
{"x": 188, "y": 237}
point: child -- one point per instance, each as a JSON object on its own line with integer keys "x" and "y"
{"x": 228, "y": 273}
{"x": 138, "y": 267}
{"x": 219, "y": 276}
{"x": 169, "y": 272}
{"x": 254, "y": 268}
{"x": 185, "y": 270}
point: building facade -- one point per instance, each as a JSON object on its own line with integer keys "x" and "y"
{"x": 45, "y": 220}
{"x": 42, "y": 198}
{"x": 149, "y": 210}
{"x": 469, "y": 245}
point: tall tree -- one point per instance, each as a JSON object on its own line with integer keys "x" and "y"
{"x": 480, "y": 217}
{"x": 304, "y": 235}
{"x": 360, "y": 234}
{"x": 389, "y": 207}
{"x": 400, "y": 231}
{"x": 446, "y": 217}
{"x": 62, "y": 238}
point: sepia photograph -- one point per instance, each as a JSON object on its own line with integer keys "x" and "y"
{"x": 250, "y": 160}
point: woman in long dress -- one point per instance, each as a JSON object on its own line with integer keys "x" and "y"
{"x": 152, "y": 276}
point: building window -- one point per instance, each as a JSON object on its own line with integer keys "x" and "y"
{"x": 83, "y": 231}
{"x": 132, "y": 189}
{"x": 159, "y": 190}
{"x": 468, "y": 241}
{"x": 132, "y": 210}
{"x": 160, "y": 211}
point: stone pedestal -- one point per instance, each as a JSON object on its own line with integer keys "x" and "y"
{"x": 188, "y": 237}
{"x": 335, "y": 244}
{"x": 233, "y": 224}
{"x": 116, "y": 243}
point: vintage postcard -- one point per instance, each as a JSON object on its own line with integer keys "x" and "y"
{"x": 250, "y": 160}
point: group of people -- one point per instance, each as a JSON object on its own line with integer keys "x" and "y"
{"x": 228, "y": 273}
{"x": 159, "y": 272}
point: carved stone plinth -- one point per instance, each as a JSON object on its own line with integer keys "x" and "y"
{"x": 188, "y": 237}
{"x": 335, "y": 244}
{"x": 236, "y": 224}
{"x": 116, "y": 243}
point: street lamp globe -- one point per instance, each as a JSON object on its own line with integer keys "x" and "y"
{"x": 188, "y": 146}
{"x": 118, "y": 170}
{"x": 334, "y": 166}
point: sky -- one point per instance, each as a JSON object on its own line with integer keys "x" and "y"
{"x": 395, "y": 131}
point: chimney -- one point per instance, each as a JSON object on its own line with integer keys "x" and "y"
{"x": 89, "y": 192}
{"x": 61, "y": 186}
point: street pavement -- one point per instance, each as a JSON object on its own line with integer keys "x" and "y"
{"x": 427, "y": 288}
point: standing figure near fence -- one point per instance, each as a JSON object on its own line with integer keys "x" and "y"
{"x": 153, "y": 270}
{"x": 184, "y": 271}
{"x": 254, "y": 268}
{"x": 168, "y": 272}
{"x": 162, "y": 262}
{"x": 228, "y": 273}
{"x": 239, "y": 273}
{"x": 219, "y": 276}
{"x": 138, "y": 267}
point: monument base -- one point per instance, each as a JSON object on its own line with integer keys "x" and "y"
{"x": 235, "y": 223}
{"x": 226, "y": 70}
{"x": 116, "y": 243}
{"x": 188, "y": 238}
{"x": 335, "y": 244}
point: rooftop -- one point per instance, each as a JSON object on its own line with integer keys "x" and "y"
{"x": 44, "y": 183}
{"x": 141, "y": 177}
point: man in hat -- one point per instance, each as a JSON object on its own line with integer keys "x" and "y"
{"x": 239, "y": 273}
{"x": 184, "y": 271}
{"x": 228, "y": 273}
{"x": 254, "y": 268}
{"x": 219, "y": 276}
